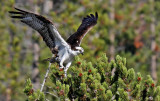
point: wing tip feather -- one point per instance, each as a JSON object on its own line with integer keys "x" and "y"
{"x": 92, "y": 16}
{"x": 19, "y": 10}
{"x": 96, "y": 15}
{"x": 18, "y": 17}
{"x": 15, "y": 12}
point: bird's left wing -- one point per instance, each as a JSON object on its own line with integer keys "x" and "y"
{"x": 87, "y": 23}
{"x": 41, "y": 24}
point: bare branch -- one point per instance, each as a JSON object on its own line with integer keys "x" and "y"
{"x": 46, "y": 75}
{"x": 51, "y": 94}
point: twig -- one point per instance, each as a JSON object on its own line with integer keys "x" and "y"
{"x": 45, "y": 78}
{"x": 51, "y": 94}
{"x": 46, "y": 99}
{"x": 46, "y": 75}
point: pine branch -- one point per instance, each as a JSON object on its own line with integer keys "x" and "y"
{"x": 51, "y": 94}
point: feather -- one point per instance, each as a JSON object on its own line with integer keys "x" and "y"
{"x": 18, "y": 17}
{"x": 41, "y": 24}
{"x": 87, "y": 23}
{"x": 92, "y": 16}
{"x": 14, "y": 12}
{"x": 64, "y": 51}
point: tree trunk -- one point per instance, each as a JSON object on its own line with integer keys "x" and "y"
{"x": 153, "y": 45}
{"x": 111, "y": 31}
{"x": 47, "y": 6}
{"x": 154, "y": 56}
{"x": 35, "y": 70}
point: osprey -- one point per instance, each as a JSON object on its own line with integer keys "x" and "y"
{"x": 64, "y": 51}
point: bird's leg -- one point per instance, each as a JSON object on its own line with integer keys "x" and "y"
{"x": 66, "y": 68}
{"x": 54, "y": 59}
{"x": 57, "y": 60}
{"x": 61, "y": 62}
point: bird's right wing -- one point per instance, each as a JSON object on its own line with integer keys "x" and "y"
{"x": 87, "y": 23}
{"x": 44, "y": 26}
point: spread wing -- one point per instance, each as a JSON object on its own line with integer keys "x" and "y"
{"x": 87, "y": 23}
{"x": 45, "y": 27}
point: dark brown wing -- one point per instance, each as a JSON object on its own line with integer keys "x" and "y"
{"x": 87, "y": 23}
{"x": 37, "y": 22}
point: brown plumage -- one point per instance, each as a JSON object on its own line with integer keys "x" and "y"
{"x": 41, "y": 24}
{"x": 37, "y": 22}
{"x": 87, "y": 23}
{"x": 64, "y": 51}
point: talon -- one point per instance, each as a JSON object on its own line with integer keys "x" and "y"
{"x": 52, "y": 60}
{"x": 82, "y": 53}
{"x": 57, "y": 59}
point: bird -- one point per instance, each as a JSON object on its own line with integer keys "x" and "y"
{"x": 63, "y": 51}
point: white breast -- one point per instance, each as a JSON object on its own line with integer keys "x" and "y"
{"x": 66, "y": 54}
{"x": 69, "y": 56}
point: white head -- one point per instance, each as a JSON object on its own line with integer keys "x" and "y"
{"x": 79, "y": 50}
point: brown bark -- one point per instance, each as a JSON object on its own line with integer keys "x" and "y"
{"x": 153, "y": 45}
{"x": 154, "y": 56}
{"x": 8, "y": 94}
{"x": 35, "y": 70}
{"x": 112, "y": 33}
{"x": 32, "y": 46}
{"x": 47, "y": 6}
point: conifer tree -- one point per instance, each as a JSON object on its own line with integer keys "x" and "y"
{"x": 87, "y": 81}
{"x": 132, "y": 32}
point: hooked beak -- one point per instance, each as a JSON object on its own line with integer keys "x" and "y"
{"x": 82, "y": 53}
